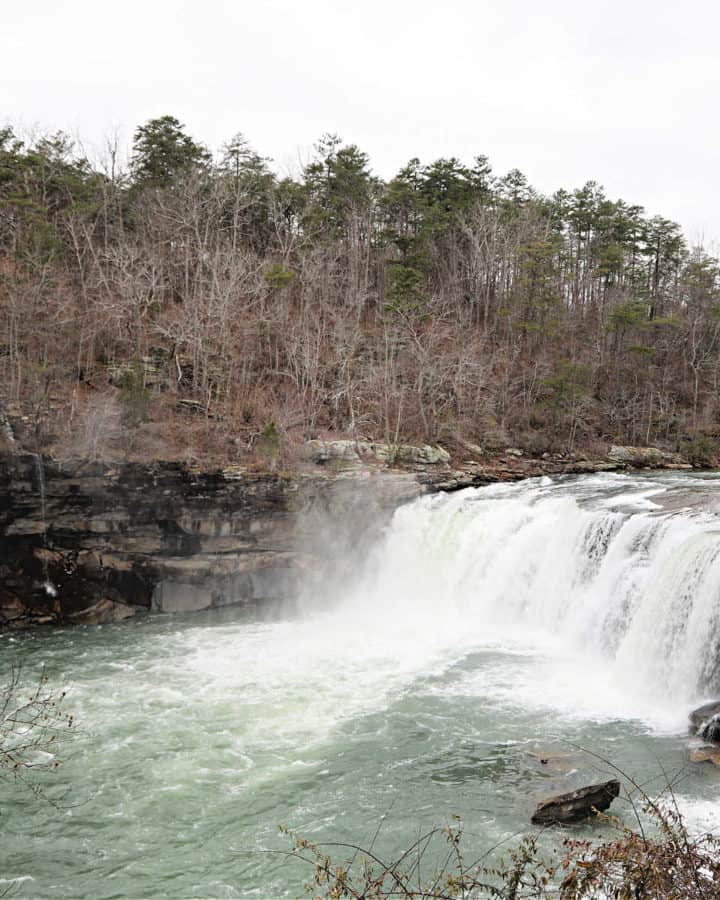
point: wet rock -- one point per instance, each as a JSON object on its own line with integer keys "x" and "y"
{"x": 103, "y": 612}
{"x": 11, "y": 608}
{"x": 108, "y": 535}
{"x": 698, "y": 717}
{"x": 710, "y": 730}
{"x": 178, "y": 596}
{"x": 25, "y": 526}
{"x": 576, "y": 805}
{"x": 706, "y": 754}
{"x": 705, "y": 721}
{"x": 111, "y": 539}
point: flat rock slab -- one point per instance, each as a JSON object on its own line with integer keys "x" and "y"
{"x": 706, "y": 754}
{"x": 576, "y": 805}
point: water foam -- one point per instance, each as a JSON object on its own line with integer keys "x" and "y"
{"x": 611, "y": 606}
{"x": 618, "y": 598}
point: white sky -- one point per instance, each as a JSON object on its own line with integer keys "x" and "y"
{"x": 624, "y": 92}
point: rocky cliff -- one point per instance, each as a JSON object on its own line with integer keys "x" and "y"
{"x": 93, "y": 543}
{"x": 89, "y": 542}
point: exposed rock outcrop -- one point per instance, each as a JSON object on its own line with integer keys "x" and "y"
{"x": 576, "y": 805}
{"x": 405, "y": 455}
{"x": 116, "y": 539}
{"x": 105, "y": 610}
{"x": 646, "y": 458}
{"x": 354, "y": 452}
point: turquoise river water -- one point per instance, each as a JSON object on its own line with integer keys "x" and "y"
{"x": 488, "y": 629}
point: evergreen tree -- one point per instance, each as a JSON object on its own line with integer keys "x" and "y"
{"x": 162, "y": 151}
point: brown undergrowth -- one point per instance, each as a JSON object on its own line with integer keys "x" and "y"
{"x": 656, "y": 858}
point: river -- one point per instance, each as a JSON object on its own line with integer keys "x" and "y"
{"x": 488, "y": 630}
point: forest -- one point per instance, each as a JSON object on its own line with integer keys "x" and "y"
{"x": 204, "y": 307}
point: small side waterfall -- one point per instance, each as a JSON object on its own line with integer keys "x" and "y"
{"x": 7, "y": 432}
{"x": 48, "y": 586}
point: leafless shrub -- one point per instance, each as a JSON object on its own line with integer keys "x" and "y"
{"x": 95, "y": 430}
{"x": 33, "y": 728}
{"x": 659, "y": 858}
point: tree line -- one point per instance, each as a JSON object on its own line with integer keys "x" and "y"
{"x": 447, "y": 304}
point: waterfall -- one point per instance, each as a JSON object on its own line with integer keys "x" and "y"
{"x": 620, "y": 574}
{"x": 48, "y": 586}
{"x": 6, "y": 429}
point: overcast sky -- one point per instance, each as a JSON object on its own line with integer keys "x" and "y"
{"x": 624, "y": 92}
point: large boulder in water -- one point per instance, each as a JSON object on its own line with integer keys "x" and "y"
{"x": 705, "y": 720}
{"x": 710, "y": 730}
{"x": 576, "y": 805}
{"x": 103, "y": 612}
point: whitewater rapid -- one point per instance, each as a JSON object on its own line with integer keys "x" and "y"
{"x": 615, "y": 581}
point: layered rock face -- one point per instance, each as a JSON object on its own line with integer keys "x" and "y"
{"x": 93, "y": 543}
{"x": 88, "y": 542}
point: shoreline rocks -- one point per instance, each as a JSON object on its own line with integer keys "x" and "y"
{"x": 706, "y": 754}
{"x": 698, "y": 717}
{"x": 705, "y": 721}
{"x": 646, "y": 458}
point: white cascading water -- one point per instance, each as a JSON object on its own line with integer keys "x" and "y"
{"x": 611, "y": 602}
{"x": 48, "y": 586}
{"x": 621, "y": 595}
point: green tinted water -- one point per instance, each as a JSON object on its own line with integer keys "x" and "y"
{"x": 198, "y": 735}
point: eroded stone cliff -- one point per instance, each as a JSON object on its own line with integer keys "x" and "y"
{"x": 97, "y": 543}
